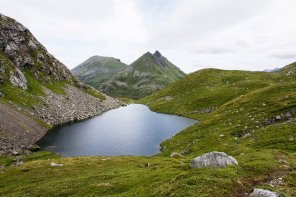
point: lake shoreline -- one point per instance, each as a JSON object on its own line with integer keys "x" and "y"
{"x": 138, "y": 132}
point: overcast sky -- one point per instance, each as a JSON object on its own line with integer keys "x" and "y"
{"x": 192, "y": 34}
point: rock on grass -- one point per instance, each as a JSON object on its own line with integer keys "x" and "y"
{"x": 213, "y": 159}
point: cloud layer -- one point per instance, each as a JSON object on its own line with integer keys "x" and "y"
{"x": 227, "y": 34}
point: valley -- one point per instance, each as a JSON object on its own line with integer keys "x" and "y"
{"x": 249, "y": 115}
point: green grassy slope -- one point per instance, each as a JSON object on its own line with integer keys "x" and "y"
{"x": 97, "y": 70}
{"x": 254, "y": 122}
{"x": 29, "y": 98}
{"x": 209, "y": 89}
{"x": 146, "y": 75}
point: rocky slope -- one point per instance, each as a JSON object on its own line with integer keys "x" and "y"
{"x": 40, "y": 87}
{"x": 98, "y": 70}
{"x": 149, "y": 73}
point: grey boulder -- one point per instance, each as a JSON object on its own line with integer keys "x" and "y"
{"x": 213, "y": 159}
{"x": 18, "y": 78}
{"x": 264, "y": 193}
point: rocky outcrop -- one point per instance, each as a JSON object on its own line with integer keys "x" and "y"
{"x": 204, "y": 111}
{"x": 17, "y": 78}
{"x": 264, "y": 193}
{"x": 213, "y": 160}
{"x": 19, "y": 45}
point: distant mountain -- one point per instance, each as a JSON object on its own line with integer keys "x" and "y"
{"x": 97, "y": 70}
{"x": 148, "y": 74}
{"x": 271, "y": 70}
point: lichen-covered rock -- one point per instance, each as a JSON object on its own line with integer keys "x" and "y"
{"x": 18, "y": 78}
{"x": 264, "y": 193}
{"x": 213, "y": 160}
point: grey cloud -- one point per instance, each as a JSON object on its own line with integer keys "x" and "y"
{"x": 195, "y": 20}
{"x": 213, "y": 51}
{"x": 285, "y": 56}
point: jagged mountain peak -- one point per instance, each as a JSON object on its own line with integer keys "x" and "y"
{"x": 157, "y": 54}
{"x": 149, "y": 73}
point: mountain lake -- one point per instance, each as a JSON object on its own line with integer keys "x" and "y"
{"x": 130, "y": 130}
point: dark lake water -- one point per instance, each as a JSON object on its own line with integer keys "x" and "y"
{"x": 131, "y": 130}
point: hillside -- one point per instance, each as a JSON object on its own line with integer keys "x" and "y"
{"x": 248, "y": 115}
{"x": 149, "y": 73}
{"x": 40, "y": 87}
{"x": 97, "y": 70}
{"x": 204, "y": 91}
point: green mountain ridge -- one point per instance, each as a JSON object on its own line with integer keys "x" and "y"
{"x": 149, "y": 73}
{"x": 97, "y": 70}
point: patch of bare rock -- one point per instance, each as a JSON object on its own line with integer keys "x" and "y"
{"x": 213, "y": 160}
{"x": 264, "y": 193}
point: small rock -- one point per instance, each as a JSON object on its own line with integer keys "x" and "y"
{"x": 19, "y": 163}
{"x": 26, "y": 152}
{"x": 264, "y": 193}
{"x": 175, "y": 154}
{"x": 1, "y": 94}
{"x": 221, "y": 135}
{"x": 34, "y": 147}
{"x": 213, "y": 160}
{"x": 278, "y": 117}
{"x": 15, "y": 153}
{"x": 3, "y": 166}
{"x": 291, "y": 139}
{"x": 55, "y": 164}
{"x": 147, "y": 164}
{"x": 247, "y": 135}
{"x": 288, "y": 115}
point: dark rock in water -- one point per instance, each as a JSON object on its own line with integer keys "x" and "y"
{"x": 264, "y": 193}
{"x": 213, "y": 160}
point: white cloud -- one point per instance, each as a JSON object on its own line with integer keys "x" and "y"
{"x": 229, "y": 34}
